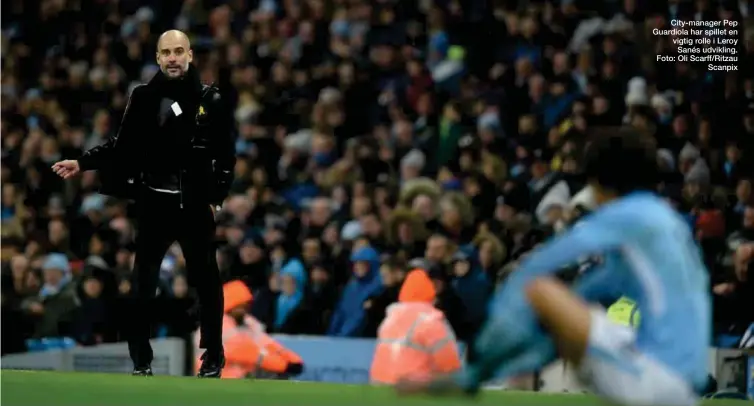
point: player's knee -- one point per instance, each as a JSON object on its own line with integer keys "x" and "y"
{"x": 541, "y": 288}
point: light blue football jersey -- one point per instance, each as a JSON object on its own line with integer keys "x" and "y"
{"x": 651, "y": 257}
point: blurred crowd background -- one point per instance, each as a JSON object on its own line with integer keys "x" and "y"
{"x": 369, "y": 133}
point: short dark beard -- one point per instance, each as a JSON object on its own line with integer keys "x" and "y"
{"x": 168, "y": 77}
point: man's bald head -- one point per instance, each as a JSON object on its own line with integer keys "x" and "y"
{"x": 174, "y": 53}
{"x": 174, "y": 36}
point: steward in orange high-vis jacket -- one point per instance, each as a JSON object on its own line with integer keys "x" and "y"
{"x": 248, "y": 348}
{"x": 415, "y": 340}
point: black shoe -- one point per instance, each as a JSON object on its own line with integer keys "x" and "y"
{"x": 212, "y": 366}
{"x": 142, "y": 371}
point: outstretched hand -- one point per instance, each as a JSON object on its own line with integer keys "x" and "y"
{"x": 66, "y": 169}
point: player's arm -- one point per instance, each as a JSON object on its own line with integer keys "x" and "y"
{"x": 512, "y": 319}
{"x": 601, "y": 284}
{"x": 600, "y": 232}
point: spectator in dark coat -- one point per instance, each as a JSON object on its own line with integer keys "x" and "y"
{"x": 265, "y": 299}
{"x": 473, "y": 286}
{"x": 251, "y": 265}
{"x": 179, "y": 308}
{"x": 392, "y": 274}
{"x": 324, "y": 297}
{"x": 449, "y": 302}
{"x": 55, "y": 308}
{"x": 92, "y": 321}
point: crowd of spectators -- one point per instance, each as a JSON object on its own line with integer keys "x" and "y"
{"x": 370, "y": 133}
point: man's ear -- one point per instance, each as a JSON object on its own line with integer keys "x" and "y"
{"x": 190, "y": 55}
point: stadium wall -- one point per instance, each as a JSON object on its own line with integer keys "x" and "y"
{"x": 169, "y": 358}
{"x": 333, "y": 360}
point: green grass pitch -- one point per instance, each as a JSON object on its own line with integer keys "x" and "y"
{"x": 29, "y": 388}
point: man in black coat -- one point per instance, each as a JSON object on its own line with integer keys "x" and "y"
{"x": 174, "y": 156}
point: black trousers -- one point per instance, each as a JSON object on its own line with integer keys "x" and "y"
{"x": 162, "y": 222}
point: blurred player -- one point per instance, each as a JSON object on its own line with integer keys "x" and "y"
{"x": 649, "y": 254}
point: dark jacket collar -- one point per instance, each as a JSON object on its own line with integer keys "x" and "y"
{"x": 189, "y": 81}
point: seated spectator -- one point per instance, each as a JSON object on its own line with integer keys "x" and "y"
{"x": 292, "y": 312}
{"x": 392, "y": 274}
{"x": 324, "y": 297}
{"x": 448, "y": 302}
{"x": 349, "y": 318}
{"x": 734, "y": 294}
{"x": 406, "y": 233}
{"x": 265, "y": 300}
{"x": 491, "y": 253}
{"x": 92, "y": 324}
{"x": 179, "y": 308}
{"x": 250, "y": 263}
{"x": 54, "y": 309}
{"x": 473, "y": 286}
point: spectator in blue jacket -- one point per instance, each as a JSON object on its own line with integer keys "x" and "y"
{"x": 349, "y": 316}
{"x": 293, "y": 310}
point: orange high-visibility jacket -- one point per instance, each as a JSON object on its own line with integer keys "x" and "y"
{"x": 415, "y": 340}
{"x": 248, "y": 347}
